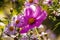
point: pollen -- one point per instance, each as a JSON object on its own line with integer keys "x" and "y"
{"x": 11, "y": 28}
{"x": 30, "y": 1}
{"x": 17, "y": 21}
{"x": 20, "y": 29}
{"x": 31, "y": 20}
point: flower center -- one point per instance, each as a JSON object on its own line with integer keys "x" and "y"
{"x": 30, "y": 1}
{"x": 17, "y": 21}
{"x": 31, "y": 20}
{"x": 11, "y": 28}
{"x": 19, "y": 29}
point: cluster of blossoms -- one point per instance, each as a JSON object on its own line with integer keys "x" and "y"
{"x": 33, "y": 16}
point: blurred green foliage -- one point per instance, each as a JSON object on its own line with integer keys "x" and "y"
{"x": 19, "y": 5}
{"x": 1, "y": 3}
{"x": 52, "y": 21}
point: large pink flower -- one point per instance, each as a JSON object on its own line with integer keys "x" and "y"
{"x": 33, "y": 18}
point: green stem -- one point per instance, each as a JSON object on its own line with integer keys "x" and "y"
{"x": 37, "y": 33}
{"x": 56, "y": 26}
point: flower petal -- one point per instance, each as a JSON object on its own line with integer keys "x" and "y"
{"x": 28, "y": 12}
{"x": 42, "y": 16}
{"x": 37, "y": 12}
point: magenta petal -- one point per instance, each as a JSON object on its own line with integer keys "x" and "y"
{"x": 25, "y": 29}
{"x": 28, "y": 12}
{"x": 42, "y": 16}
{"x": 38, "y": 23}
{"x": 36, "y": 1}
{"x": 38, "y": 11}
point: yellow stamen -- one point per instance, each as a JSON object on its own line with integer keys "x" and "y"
{"x": 20, "y": 28}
